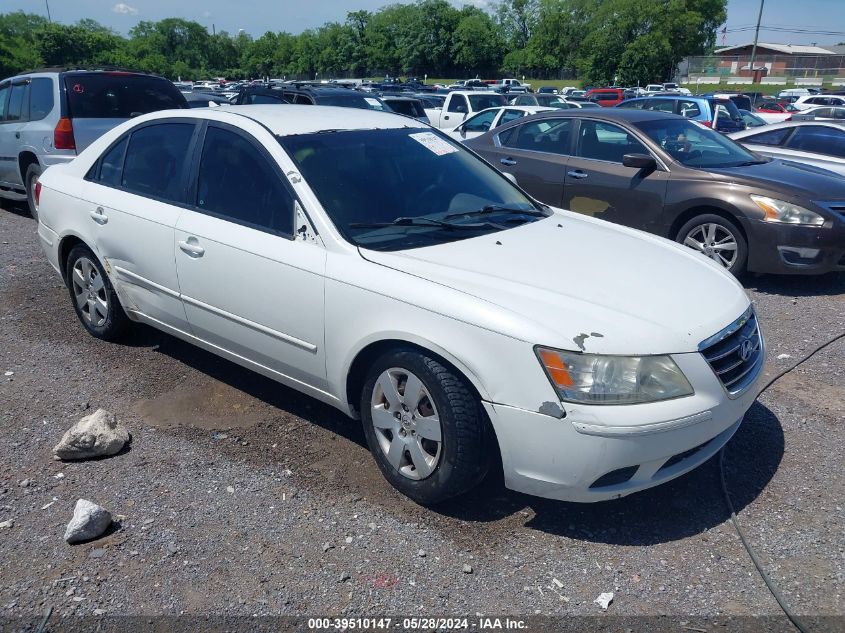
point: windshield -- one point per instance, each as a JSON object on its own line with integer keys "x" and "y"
{"x": 378, "y": 176}
{"x": 482, "y": 102}
{"x": 694, "y": 145}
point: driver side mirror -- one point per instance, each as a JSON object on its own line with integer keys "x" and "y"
{"x": 639, "y": 161}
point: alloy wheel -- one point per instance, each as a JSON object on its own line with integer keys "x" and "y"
{"x": 715, "y": 241}
{"x": 406, "y": 423}
{"x": 89, "y": 290}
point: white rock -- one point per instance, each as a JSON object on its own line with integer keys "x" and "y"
{"x": 9, "y": 373}
{"x": 783, "y": 356}
{"x": 604, "y": 600}
{"x": 89, "y": 521}
{"x": 94, "y": 435}
{"x": 7, "y": 524}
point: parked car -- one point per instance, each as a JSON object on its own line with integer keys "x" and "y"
{"x": 665, "y": 174}
{"x": 831, "y": 113}
{"x": 551, "y": 90}
{"x": 606, "y": 97}
{"x": 47, "y": 116}
{"x": 460, "y": 104}
{"x": 751, "y": 119}
{"x": 479, "y": 123}
{"x": 701, "y": 109}
{"x": 200, "y": 99}
{"x": 741, "y": 101}
{"x": 307, "y": 94}
{"x": 260, "y": 95}
{"x": 406, "y": 105}
{"x": 794, "y": 93}
{"x": 810, "y": 101}
{"x": 411, "y": 305}
{"x": 543, "y": 100}
{"x": 652, "y": 88}
{"x": 817, "y": 143}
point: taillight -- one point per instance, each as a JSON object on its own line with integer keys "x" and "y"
{"x": 63, "y": 135}
{"x": 37, "y": 193}
{"x": 706, "y": 123}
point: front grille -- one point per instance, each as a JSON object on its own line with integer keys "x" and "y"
{"x": 736, "y": 353}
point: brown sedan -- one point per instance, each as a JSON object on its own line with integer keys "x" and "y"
{"x": 667, "y": 175}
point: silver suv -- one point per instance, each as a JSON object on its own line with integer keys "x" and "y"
{"x": 46, "y": 117}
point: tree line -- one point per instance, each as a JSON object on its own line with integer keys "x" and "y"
{"x": 598, "y": 41}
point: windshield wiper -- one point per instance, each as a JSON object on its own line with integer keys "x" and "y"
{"x": 422, "y": 221}
{"x": 493, "y": 208}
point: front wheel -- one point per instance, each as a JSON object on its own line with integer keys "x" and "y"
{"x": 424, "y": 426}
{"x": 718, "y": 238}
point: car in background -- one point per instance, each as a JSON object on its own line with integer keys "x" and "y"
{"x": 47, "y": 117}
{"x": 652, "y": 88}
{"x": 306, "y": 94}
{"x": 543, "y": 100}
{"x": 430, "y": 100}
{"x": 831, "y": 113}
{"x": 751, "y": 119}
{"x": 701, "y": 109}
{"x": 201, "y": 99}
{"x": 461, "y": 104}
{"x": 791, "y": 94}
{"x": 407, "y": 106}
{"x": 817, "y": 143}
{"x": 491, "y": 118}
{"x": 662, "y": 173}
{"x": 259, "y": 95}
{"x": 606, "y": 97}
{"x": 810, "y": 101}
{"x": 548, "y": 90}
{"x": 390, "y": 279}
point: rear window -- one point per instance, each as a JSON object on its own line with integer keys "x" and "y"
{"x": 118, "y": 96}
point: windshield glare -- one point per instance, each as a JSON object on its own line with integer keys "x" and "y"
{"x": 694, "y": 145}
{"x": 377, "y": 176}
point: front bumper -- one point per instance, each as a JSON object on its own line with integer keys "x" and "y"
{"x": 785, "y": 249}
{"x": 596, "y": 453}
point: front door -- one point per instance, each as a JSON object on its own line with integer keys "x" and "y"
{"x": 248, "y": 287}
{"x": 598, "y": 184}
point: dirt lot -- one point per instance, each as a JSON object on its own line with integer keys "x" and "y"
{"x": 240, "y": 497}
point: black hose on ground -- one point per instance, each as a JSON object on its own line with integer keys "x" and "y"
{"x": 799, "y": 624}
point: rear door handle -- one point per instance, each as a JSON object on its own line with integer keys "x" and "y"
{"x": 99, "y": 216}
{"x": 191, "y": 247}
{"x": 510, "y": 162}
{"x": 17, "y": 134}
{"x": 577, "y": 173}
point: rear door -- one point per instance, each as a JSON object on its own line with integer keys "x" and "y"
{"x": 135, "y": 194}
{"x": 536, "y": 153}
{"x": 598, "y": 184}
{"x": 247, "y": 285}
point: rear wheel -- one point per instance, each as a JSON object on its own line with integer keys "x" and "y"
{"x": 94, "y": 299}
{"x": 424, "y": 426}
{"x": 33, "y": 173}
{"x": 718, "y": 238}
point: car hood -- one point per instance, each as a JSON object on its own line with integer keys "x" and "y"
{"x": 574, "y": 282}
{"x": 792, "y": 179}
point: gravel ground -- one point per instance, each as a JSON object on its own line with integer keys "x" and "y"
{"x": 241, "y": 497}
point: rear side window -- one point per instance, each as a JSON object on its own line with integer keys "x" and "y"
{"x": 40, "y": 98}
{"x": 458, "y": 104}
{"x": 604, "y": 141}
{"x": 111, "y": 165}
{"x": 771, "y": 137}
{"x": 661, "y": 105}
{"x": 238, "y": 183}
{"x": 155, "y": 160}
{"x": 549, "y": 135}
{"x": 818, "y": 139}
{"x": 119, "y": 96}
{"x": 17, "y": 103}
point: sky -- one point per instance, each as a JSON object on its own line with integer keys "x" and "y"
{"x": 257, "y": 16}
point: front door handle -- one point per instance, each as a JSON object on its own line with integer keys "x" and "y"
{"x": 577, "y": 173}
{"x": 17, "y": 134}
{"x": 510, "y": 162}
{"x": 191, "y": 247}
{"x": 99, "y": 216}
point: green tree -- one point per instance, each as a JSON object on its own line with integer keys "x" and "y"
{"x": 17, "y": 42}
{"x": 476, "y": 44}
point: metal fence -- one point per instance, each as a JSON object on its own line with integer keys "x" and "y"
{"x": 780, "y": 69}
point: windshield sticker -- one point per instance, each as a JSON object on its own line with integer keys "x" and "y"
{"x": 434, "y": 143}
{"x": 372, "y": 102}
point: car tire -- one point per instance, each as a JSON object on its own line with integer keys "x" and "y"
{"x": 725, "y": 239}
{"x": 418, "y": 466}
{"x": 33, "y": 172}
{"x": 93, "y": 297}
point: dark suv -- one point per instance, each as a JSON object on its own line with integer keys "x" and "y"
{"x": 303, "y": 94}
{"x": 665, "y": 174}
{"x": 48, "y": 116}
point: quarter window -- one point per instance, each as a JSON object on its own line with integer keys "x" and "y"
{"x": 237, "y": 182}
{"x": 111, "y": 164}
{"x": 549, "y": 135}
{"x": 155, "y": 160}
{"x": 604, "y": 141}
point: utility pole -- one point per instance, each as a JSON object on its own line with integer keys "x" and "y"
{"x": 756, "y": 35}
{"x": 47, "y": 2}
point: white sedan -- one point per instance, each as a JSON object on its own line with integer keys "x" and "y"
{"x": 490, "y": 118}
{"x": 374, "y": 264}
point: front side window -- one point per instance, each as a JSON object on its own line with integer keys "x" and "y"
{"x": 548, "y": 135}
{"x": 818, "y": 140}
{"x": 155, "y": 160}
{"x": 694, "y": 145}
{"x": 393, "y": 189}
{"x": 40, "y": 98}
{"x": 237, "y": 182}
{"x": 608, "y": 142}
{"x": 481, "y": 122}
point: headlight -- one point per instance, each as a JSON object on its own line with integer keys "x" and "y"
{"x": 786, "y": 212}
{"x": 600, "y": 379}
